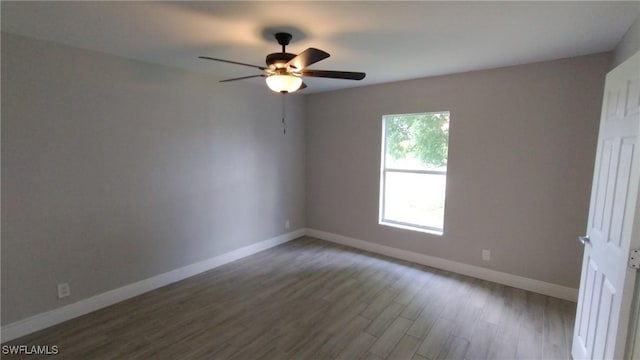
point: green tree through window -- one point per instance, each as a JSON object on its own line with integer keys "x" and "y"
{"x": 424, "y": 137}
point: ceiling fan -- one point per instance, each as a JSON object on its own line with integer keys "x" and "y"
{"x": 284, "y": 71}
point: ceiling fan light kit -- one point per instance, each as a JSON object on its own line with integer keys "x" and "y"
{"x": 284, "y": 83}
{"x": 284, "y": 71}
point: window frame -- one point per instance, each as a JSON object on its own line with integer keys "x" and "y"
{"x": 383, "y": 179}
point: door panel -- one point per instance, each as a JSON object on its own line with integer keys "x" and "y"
{"x": 625, "y": 163}
{"x": 586, "y": 331}
{"x": 633, "y": 98}
{"x": 604, "y": 319}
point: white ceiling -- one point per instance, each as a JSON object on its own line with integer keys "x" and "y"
{"x": 389, "y": 40}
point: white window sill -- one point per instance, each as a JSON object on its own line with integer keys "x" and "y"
{"x": 410, "y": 227}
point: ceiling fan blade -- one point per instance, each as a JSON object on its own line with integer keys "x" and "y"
{"x": 232, "y": 62}
{"x": 303, "y": 86}
{"x": 242, "y": 78}
{"x": 348, "y": 75}
{"x": 306, "y": 58}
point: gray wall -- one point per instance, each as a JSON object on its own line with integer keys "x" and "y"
{"x": 630, "y": 43}
{"x": 114, "y": 171}
{"x": 522, "y": 147}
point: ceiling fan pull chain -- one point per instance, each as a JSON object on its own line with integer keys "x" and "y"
{"x": 284, "y": 127}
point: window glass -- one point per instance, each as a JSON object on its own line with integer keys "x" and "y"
{"x": 414, "y": 170}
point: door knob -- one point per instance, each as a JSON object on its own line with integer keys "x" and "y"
{"x": 584, "y": 239}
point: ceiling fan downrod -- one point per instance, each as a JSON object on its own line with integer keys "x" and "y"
{"x": 283, "y": 39}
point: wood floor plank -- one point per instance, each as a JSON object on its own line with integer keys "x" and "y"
{"x": 465, "y": 322}
{"x": 425, "y": 320}
{"x": 381, "y": 302}
{"x": 494, "y": 305}
{"x": 370, "y": 356}
{"x": 505, "y": 344}
{"x": 416, "y": 305}
{"x": 412, "y": 288}
{"x": 311, "y": 340}
{"x": 223, "y": 353}
{"x": 436, "y": 338}
{"x": 455, "y": 349}
{"x": 412, "y": 281}
{"x": 569, "y": 316}
{"x": 376, "y": 284}
{"x": 483, "y": 336}
{"x": 405, "y": 349}
{"x": 357, "y": 347}
{"x": 457, "y": 298}
{"x": 390, "y": 338}
{"x": 346, "y": 301}
{"x": 530, "y": 333}
{"x": 334, "y": 324}
{"x": 386, "y": 317}
{"x": 555, "y": 343}
{"x": 264, "y": 344}
{"x": 311, "y": 299}
{"x": 211, "y": 342}
{"x": 341, "y": 339}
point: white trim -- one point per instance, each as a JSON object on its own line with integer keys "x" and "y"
{"x": 423, "y": 172}
{"x": 520, "y": 282}
{"x": 85, "y": 306}
{"x": 411, "y": 227}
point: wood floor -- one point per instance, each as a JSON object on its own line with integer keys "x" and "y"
{"x": 310, "y": 299}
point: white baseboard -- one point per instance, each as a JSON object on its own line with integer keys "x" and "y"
{"x": 516, "y": 281}
{"x": 85, "y": 306}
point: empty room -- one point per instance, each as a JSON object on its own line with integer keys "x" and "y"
{"x": 320, "y": 180}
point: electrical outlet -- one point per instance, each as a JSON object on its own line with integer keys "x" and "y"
{"x": 286, "y": 224}
{"x": 486, "y": 255}
{"x": 64, "y": 290}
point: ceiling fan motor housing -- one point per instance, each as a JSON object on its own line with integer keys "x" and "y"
{"x": 278, "y": 60}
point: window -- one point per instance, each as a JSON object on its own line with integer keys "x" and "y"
{"x": 414, "y": 171}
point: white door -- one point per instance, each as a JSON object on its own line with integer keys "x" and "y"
{"x": 607, "y": 283}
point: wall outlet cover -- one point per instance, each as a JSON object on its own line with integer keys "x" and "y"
{"x": 64, "y": 290}
{"x": 486, "y": 255}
